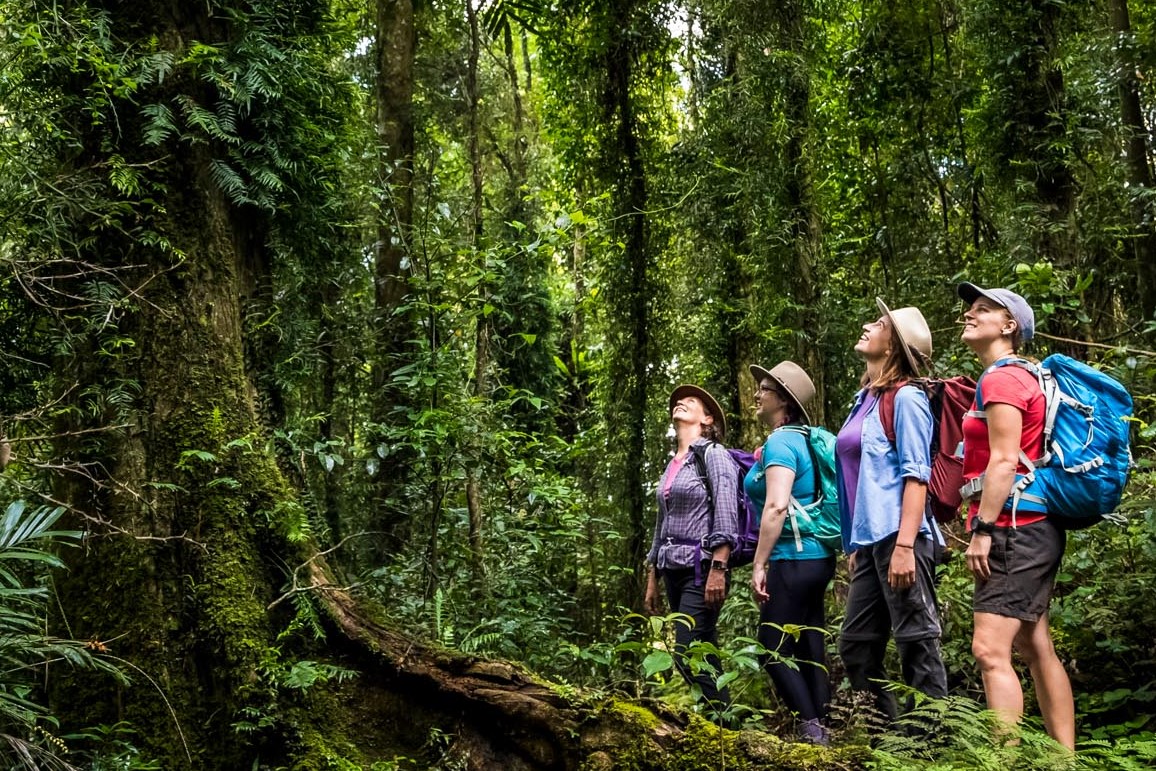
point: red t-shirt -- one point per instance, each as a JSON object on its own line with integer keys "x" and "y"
{"x": 1015, "y": 386}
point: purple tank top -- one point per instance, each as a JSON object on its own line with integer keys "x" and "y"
{"x": 849, "y": 448}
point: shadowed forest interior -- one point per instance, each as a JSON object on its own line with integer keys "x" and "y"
{"x": 337, "y": 342}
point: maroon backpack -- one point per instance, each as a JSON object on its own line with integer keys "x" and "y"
{"x": 950, "y": 400}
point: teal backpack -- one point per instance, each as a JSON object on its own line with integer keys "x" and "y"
{"x": 819, "y": 519}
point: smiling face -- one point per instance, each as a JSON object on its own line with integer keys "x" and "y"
{"x": 691, "y": 410}
{"x": 771, "y": 402}
{"x": 986, "y": 322}
{"x": 875, "y": 342}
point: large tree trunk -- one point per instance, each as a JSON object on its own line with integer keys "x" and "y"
{"x": 182, "y": 589}
{"x": 806, "y": 227}
{"x": 483, "y": 331}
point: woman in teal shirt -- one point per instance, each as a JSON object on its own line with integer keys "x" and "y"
{"x": 790, "y": 573}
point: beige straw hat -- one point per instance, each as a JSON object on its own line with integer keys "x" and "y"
{"x": 913, "y": 332}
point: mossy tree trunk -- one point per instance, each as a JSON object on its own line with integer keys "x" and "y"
{"x": 180, "y": 586}
{"x": 188, "y": 518}
{"x": 1136, "y": 155}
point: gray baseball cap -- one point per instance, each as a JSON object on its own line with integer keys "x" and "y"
{"x": 1015, "y": 304}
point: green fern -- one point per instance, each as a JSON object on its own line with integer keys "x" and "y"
{"x": 25, "y": 534}
{"x": 958, "y": 733}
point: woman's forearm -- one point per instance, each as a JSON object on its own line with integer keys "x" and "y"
{"x": 911, "y": 511}
{"x": 998, "y": 480}
{"x": 770, "y": 528}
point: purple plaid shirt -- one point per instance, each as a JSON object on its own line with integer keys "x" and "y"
{"x": 683, "y": 532}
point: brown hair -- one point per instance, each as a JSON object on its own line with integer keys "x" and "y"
{"x": 711, "y": 432}
{"x": 794, "y": 411}
{"x": 895, "y": 369}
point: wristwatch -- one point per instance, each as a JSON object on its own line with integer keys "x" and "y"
{"x": 718, "y": 565}
{"x": 980, "y": 526}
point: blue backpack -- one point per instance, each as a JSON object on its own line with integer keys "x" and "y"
{"x": 820, "y": 518}
{"x": 748, "y": 518}
{"x": 1086, "y": 458}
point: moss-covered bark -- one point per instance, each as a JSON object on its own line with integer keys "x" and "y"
{"x": 179, "y": 584}
{"x": 494, "y": 714}
{"x": 184, "y": 552}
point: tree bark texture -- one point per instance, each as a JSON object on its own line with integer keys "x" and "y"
{"x": 396, "y": 45}
{"x": 630, "y": 197}
{"x": 181, "y": 584}
{"x": 1136, "y": 137}
{"x": 482, "y": 333}
{"x": 806, "y": 226}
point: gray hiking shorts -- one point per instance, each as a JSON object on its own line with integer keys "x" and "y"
{"x": 1024, "y": 561}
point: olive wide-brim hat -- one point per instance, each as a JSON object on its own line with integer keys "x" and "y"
{"x": 913, "y": 333}
{"x": 792, "y": 378}
{"x": 709, "y": 403}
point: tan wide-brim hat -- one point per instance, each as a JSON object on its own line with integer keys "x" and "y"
{"x": 709, "y": 403}
{"x": 913, "y": 332}
{"x": 793, "y": 379}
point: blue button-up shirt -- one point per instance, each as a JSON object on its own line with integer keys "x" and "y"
{"x": 686, "y": 531}
{"x": 884, "y": 467}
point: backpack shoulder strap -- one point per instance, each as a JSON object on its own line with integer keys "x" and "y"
{"x": 887, "y": 409}
{"x": 698, "y": 457}
{"x": 805, "y": 430}
{"x": 1023, "y": 364}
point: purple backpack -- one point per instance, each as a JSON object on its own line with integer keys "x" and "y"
{"x": 748, "y": 518}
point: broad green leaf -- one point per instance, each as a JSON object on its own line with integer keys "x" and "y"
{"x": 657, "y": 661}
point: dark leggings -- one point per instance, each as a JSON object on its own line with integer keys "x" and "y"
{"x": 687, "y": 596}
{"x": 798, "y": 589}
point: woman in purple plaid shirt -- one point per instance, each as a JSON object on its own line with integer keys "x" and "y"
{"x": 692, "y": 544}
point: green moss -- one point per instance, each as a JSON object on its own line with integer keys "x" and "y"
{"x": 633, "y": 715}
{"x": 643, "y": 746}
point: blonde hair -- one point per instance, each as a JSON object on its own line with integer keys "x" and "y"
{"x": 1017, "y": 337}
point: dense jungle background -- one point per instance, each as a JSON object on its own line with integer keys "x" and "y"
{"x": 337, "y": 339}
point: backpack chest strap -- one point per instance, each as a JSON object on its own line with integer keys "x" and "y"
{"x": 974, "y": 488}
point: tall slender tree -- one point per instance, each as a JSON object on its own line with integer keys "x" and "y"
{"x": 1136, "y": 154}
{"x": 395, "y": 43}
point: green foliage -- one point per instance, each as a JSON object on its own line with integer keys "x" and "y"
{"x": 957, "y": 733}
{"x": 26, "y": 535}
{"x": 669, "y": 192}
{"x": 111, "y": 748}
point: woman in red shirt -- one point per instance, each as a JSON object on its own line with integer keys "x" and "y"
{"x": 1014, "y": 551}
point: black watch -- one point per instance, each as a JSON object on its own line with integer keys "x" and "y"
{"x": 979, "y": 526}
{"x": 718, "y": 565}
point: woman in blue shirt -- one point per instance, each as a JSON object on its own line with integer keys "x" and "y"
{"x": 893, "y": 542}
{"x": 790, "y": 573}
